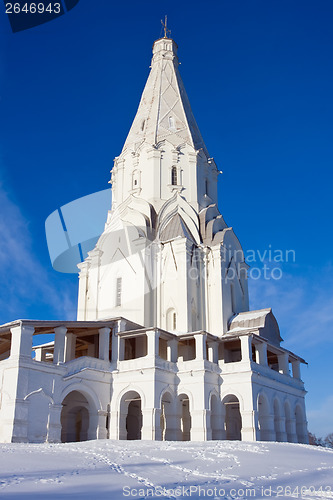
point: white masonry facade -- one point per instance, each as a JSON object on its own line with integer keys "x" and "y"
{"x": 164, "y": 346}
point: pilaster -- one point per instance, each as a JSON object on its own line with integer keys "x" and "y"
{"x": 172, "y": 350}
{"x": 151, "y": 424}
{"x": 59, "y": 345}
{"x": 21, "y": 344}
{"x": 283, "y": 363}
{"x": 200, "y": 346}
{"x": 104, "y": 343}
{"x": 261, "y": 354}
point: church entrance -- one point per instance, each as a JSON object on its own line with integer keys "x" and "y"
{"x": 233, "y": 419}
{"x": 130, "y": 416}
{"x": 74, "y": 418}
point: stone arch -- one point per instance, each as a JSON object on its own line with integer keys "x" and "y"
{"x": 239, "y": 397}
{"x": 128, "y": 388}
{"x": 74, "y": 418}
{"x": 79, "y": 415}
{"x": 232, "y": 417}
{"x": 264, "y": 418}
{"x": 88, "y": 393}
{"x": 130, "y": 415}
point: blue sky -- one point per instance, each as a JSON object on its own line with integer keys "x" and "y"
{"x": 259, "y": 75}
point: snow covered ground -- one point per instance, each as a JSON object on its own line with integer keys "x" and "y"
{"x": 141, "y": 469}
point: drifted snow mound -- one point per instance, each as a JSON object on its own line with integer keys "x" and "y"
{"x": 142, "y": 469}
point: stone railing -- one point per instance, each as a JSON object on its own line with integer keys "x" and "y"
{"x": 265, "y": 371}
{"x": 197, "y": 364}
{"x": 85, "y": 362}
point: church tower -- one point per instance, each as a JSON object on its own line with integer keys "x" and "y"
{"x": 166, "y": 258}
{"x": 165, "y": 347}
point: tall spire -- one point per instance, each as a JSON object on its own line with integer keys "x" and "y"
{"x": 164, "y": 111}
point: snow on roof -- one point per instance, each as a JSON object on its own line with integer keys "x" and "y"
{"x": 249, "y": 319}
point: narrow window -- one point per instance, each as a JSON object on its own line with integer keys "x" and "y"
{"x": 171, "y": 123}
{"x": 135, "y": 179}
{"x": 118, "y": 292}
{"x": 143, "y": 125}
{"x": 232, "y": 293}
{"x": 206, "y": 187}
{"x": 174, "y": 321}
{"x": 174, "y": 176}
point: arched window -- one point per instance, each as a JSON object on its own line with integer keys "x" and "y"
{"x": 174, "y": 176}
{"x": 171, "y": 123}
{"x": 118, "y": 292}
{"x": 174, "y": 321}
{"x": 171, "y": 320}
{"x": 135, "y": 179}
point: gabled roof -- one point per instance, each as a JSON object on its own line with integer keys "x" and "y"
{"x": 164, "y": 111}
{"x": 175, "y": 228}
{"x": 262, "y": 320}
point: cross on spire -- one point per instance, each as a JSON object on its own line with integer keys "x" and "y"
{"x": 165, "y": 26}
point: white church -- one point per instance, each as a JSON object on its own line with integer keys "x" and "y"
{"x": 164, "y": 346}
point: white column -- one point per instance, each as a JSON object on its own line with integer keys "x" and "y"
{"x": 114, "y": 344}
{"x": 283, "y": 363}
{"x": 118, "y": 344}
{"x": 101, "y": 425}
{"x": 54, "y": 428}
{"x": 221, "y": 353}
{"x": 38, "y": 354}
{"x": 296, "y": 366}
{"x": 151, "y": 424}
{"x": 267, "y": 431}
{"x": 200, "y": 425}
{"x": 291, "y": 430}
{"x": 200, "y": 346}
{"x": 261, "y": 354}
{"x": 213, "y": 351}
{"x": 104, "y": 343}
{"x": 153, "y": 338}
{"x": 21, "y": 342}
{"x": 281, "y": 435}
{"x": 59, "y": 345}
{"x": 246, "y": 347}
{"x": 121, "y": 348}
{"x": 70, "y": 347}
{"x": 250, "y": 429}
{"x": 172, "y": 350}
